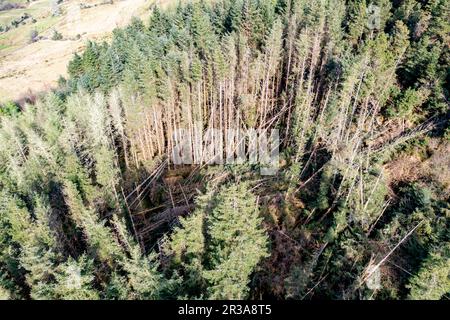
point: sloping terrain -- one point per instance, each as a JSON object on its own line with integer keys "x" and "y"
{"x": 27, "y": 66}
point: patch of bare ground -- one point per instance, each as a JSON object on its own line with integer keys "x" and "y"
{"x": 36, "y": 67}
{"x": 436, "y": 167}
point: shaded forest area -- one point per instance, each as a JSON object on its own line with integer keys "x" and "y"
{"x": 91, "y": 208}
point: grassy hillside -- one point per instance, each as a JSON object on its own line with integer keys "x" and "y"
{"x": 358, "y": 207}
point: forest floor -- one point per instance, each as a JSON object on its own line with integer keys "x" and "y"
{"x": 31, "y": 67}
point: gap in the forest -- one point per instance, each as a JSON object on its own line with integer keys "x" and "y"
{"x": 158, "y": 204}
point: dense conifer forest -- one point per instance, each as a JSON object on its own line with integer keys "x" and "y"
{"x": 91, "y": 206}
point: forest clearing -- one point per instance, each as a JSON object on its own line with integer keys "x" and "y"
{"x": 114, "y": 183}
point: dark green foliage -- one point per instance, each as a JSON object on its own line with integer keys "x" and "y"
{"x": 433, "y": 279}
{"x": 219, "y": 246}
{"x": 9, "y": 109}
{"x": 342, "y": 219}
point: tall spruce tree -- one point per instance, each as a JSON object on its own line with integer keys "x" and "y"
{"x": 432, "y": 281}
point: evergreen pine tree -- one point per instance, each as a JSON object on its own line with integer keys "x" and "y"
{"x": 74, "y": 280}
{"x": 433, "y": 279}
